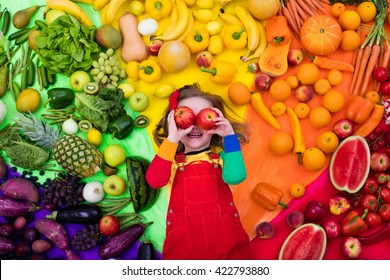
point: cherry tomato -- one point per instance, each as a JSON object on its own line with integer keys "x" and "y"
{"x": 385, "y": 194}
{"x": 370, "y": 202}
{"x": 385, "y": 88}
{"x": 384, "y": 212}
{"x": 371, "y": 186}
{"x": 380, "y": 74}
{"x": 373, "y": 219}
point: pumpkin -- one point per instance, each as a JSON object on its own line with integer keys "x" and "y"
{"x": 320, "y": 35}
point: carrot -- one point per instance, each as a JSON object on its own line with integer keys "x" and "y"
{"x": 385, "y": 58}
{"x": 307, "y": 10}
{"x": 319, "y": 7}
{"x": 371, "y": 63}
{"x": 357, "y": 57}
{"x": 327, "y": 63}
{"x": 362, "y": 66}
{"x": 372, "y": 122}
{"x": 287, "y": 14}
{"x": 294, "y": 11}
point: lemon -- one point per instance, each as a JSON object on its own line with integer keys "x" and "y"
{"x": 128, "y": 89}
{"x": 214, "y": 27}
{"x": 203, "y": 15}
{"x": 94, "y": 137}
{"x": 216, "y": 45}
{"x": 136, "y": 8}
{"x": 114, "y": 155}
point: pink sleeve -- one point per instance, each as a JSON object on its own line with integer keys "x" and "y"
{"x": 159, "y": 172}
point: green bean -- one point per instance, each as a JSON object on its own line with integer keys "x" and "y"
{"x": 6, "y": 22}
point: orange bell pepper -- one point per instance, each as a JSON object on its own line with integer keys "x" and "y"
{"x": 359, "y": 109}
{"x": 267, "y": 196}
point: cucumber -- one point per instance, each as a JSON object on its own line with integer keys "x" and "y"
{"x": 142, "y": 195}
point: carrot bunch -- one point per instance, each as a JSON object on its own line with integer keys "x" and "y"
{"x": 373, "y": 52}
{"x": 297, "y": 11}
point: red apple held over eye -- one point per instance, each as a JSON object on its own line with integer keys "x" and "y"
{"x": 204, "y": 58}
{"x": 351, "y": 247}
{"x": 154, "y": 47}
{"x": 206, "y": 119}
{"x": 184, "y": 117}
{"x": 109, "y": 225}
{"x": 262, "y": 82}
{"x": 379, "y": 162}
{"x": 343, "y": 128}
{"x": 294, "y": 57}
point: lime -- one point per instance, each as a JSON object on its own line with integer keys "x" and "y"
{"x": 136, "y": 8}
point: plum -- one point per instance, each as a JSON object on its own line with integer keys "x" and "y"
{"x": 264, "y": 230}
{"x": 295, "y": 218}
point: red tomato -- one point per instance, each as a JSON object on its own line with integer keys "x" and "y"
{"x": 385, "y": 88}
{"x": 385, "y": 194}
{"x": 373, "y": 219}
{"x": 370, "y": 202}
{"x": 380, "y": 74}
{"x": 384, "y": 211}
{"x": 371, "y": 186}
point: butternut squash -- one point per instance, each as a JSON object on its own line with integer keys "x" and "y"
{"x": 133, "y": 45}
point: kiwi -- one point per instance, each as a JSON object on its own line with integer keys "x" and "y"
{"x": 141, "y": 121}
{"x": 109, "y": 170}
{"x": 85, "y": 125}
{"x": 91, "y": 88}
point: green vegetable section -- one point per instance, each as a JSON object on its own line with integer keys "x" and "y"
{"x": 138, "y": 143}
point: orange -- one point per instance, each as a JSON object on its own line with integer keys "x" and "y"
{"x": 302, "y": 110}
{"x": 327, "y": 142}
{"x": 313, "y": 159}
{"x": 337, "y": 9}
{"x": 333, "y": 101}
{"x": 366, "y": 11}
{"x": 349, "y": 20}
{"x": 350, "y": 40}
{"x": 335, "y": 77}
{"x": 239, "y": 93}
{"x": 293, "y": 81}
{"x": 280, "y": 90}
{"x": 297, "y": 190}
{"x": 373, "y": 95}
{"x": 278, "y": 108}
{"x": 322, "y": 86}
{"x": 28, "y": 100}
{"x": 281, "y": 143}
{"x": 308, "y": 73}
{"x": 319, "y": 117}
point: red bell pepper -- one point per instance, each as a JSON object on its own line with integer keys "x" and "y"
{"x": 353, "y": 224}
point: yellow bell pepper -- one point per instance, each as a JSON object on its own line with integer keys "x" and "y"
{"x": 149, "y": 71}
{"x": 158, "y": 9}
{"x": 198, "y": 40}
{"x": 235, "y": 37}
{"x": 222, "y": 72}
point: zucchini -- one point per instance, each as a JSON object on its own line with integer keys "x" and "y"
{"x": 78, "y": 214}
{"x": 142, "y": 195}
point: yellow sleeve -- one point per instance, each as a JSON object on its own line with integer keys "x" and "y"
{"x": 167, "y": 150}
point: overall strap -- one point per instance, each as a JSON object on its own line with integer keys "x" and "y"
{"x": 215, "y": 159}
{"x": 180, "y": 159}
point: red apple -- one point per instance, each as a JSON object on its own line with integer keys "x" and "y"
{"x": 109, "y": 225}
{"x": 351, "y": 247}
{"x": 332, "y": 228}
{"x": 294, "y": 57}
{"x": 343, "y": 128}
{"x": 304, "y": 93}
{"x": 205, "y": 119}
{"x": 204, "y": 58}
{"x": 184, "y": 117}
{"x": 154, "y": 47}
{"x": 379, "y": 162}
{"x": 315, "y": 211}
{"x": 262, "y": 82}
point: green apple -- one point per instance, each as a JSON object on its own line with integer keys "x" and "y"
{"x": 128, "y": 89}
{"x": 114, "y": 185}
{"x": 138, "y": 101}
{"x": 52, "y": 15}
{"x": 114, "y": 155}
{"x": 78, "y": 79}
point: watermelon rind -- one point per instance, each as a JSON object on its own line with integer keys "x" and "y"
{"x": 298, "y": 247}
{"x": 337, "y": 159}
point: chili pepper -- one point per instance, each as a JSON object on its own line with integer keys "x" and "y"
{"x": 377, "y": 236}
{"x": 268, "y": 196}
{"x": 59, "y": 98}
{"x": 132, "y": 70}
{"x": 146, "y": 251}
{"x": 222, "y": 72}
{"x": 149, "y": 71}
{"x": 234, "y": 37}
{"x": 354, "y": 224}
{"x": 121, "y": 126}
{"x": 258, "y": 104}
{"x": 277, "y": 31}
{"x": 327, "y": 63}
{"x": 372, "y": 122}
{"x": 297, "y": 134}
{"x": 338, "y": 204}
{"x": 359, "y": 109}
{"x": 158, "y": 9}
{"x": 197, "y": 40}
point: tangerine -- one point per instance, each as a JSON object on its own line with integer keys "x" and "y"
{"x": 327, "y": 142}
{"x": 349, "y": 20}
{"x": 293, "y": 81}
{"x": 281, "y": 143}
{"x": 337, "y": 9}
{"x": 278, "y": 108}
{"x": 373, "y": 95}
{"x": 239, "y": 93}
{"x": 308, "y": 73}
{"x": 313, "y": 159}
{"x": 280, "y": 90}
{"x": 350, "y": 40}
{"x": 335, "y": 77}
{"x": 322, "y": 86}
{"x": 302, "y": 110}
{"x": 333, "y": 101}
{"x": 366, "y": 11}
{"x": 297, "y": 190}
{"x": 319, "y": 117}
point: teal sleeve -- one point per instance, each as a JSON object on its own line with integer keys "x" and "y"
{"x": 234, "y": 170}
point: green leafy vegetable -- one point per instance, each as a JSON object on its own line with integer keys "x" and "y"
{"x": 66, "y": 45}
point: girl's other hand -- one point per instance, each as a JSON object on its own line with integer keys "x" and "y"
{"x": 174, "y": 133}
{"x": 223, "y": 126}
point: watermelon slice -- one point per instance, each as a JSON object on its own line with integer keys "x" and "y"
{"x": 350, "y": 164}
{"x": 307, "y": 242}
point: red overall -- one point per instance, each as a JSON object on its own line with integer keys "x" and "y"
{"x": 202, "y": 221}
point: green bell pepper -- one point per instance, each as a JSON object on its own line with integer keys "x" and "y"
{"x": 59, "y": 98}
{"x": 121, "y": 126}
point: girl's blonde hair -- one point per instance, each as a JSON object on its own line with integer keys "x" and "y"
{"x": 161, "y": 130}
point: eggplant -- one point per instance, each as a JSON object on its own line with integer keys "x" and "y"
{"x": 15, "y": 208}
{"x": 146, "y": 251}
{"x": 78, "y": 214}
{"x": 6, "y": 245}
{"x": 20, "y": 189}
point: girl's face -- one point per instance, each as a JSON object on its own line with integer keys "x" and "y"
{"x": 197, "y": 139}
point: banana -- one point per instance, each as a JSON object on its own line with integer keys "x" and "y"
{"x": 190, "y": 3}
{"x": 70, "y": 8}
{"x": 182, "y": 23}
{"x": 260, "y": 48}
{"x": 173, "y": 19}
{"x": 163, "y": 90}
{"x": 84, "y": 1}
{"x": 222, "y": 3}
{"x": 99, "y": 4}
{"x": 230, "y": 19}
{"x": 190, "y": 26}
{"x": 250, "y": 26}
{"x": 112, "y": 9}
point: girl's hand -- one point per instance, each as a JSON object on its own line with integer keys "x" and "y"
{"x": 174, "y": 133}
{"x": 223, "y": 127}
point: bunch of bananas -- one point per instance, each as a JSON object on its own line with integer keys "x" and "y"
{"x": 70, "y": 8}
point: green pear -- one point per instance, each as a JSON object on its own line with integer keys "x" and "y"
{"x": 22, "y": 18}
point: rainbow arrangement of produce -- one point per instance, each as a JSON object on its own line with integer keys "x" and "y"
{"x": 84, "y": 83}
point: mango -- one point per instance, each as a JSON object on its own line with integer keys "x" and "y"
{"x": 108, "y": 37}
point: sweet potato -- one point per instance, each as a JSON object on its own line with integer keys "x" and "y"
{"x": 15, "y": 208}
{"x": 70, "y": 255}
{"x": 41, "y": 246}
{"x": 21, "y": 189}
{"x": 54, "y": 231}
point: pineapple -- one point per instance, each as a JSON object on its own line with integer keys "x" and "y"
{"x": 74, "y": 154}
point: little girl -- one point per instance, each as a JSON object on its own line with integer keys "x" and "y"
{"x": 202, "y": 220}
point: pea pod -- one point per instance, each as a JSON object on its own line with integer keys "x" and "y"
{"x": 121, "y": 126}
{"x": 59, "y": 98}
